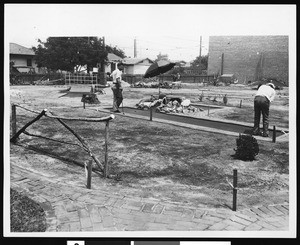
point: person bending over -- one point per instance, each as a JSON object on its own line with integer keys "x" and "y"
{"x": 264, "y": 96}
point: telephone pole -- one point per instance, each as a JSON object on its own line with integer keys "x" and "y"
{"x": 200, "y": 46}
{"x": 134, "y": 54}
{"x": 101, "y": 69}
{"x": 200, "y": 71}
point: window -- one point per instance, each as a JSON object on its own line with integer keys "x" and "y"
{"x": 29, "y": 62}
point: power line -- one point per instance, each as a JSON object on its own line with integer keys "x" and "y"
{"x": 181, "y": 39}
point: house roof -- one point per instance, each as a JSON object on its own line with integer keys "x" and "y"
{"x": 134, "y": 61}
{"x": 113, "y": 57}
{"x": 18, "y": 49}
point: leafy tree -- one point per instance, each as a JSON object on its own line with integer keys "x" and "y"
{"x": 115, "y": 51}
{"x": 198, "y": 63}
{"x": 67, "y": 53}
{"x": 178, "y": 68}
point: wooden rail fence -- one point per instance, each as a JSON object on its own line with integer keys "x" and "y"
{"x": 83, "y": 143}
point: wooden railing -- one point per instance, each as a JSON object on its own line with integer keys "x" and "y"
{"x": 82, "y": 142}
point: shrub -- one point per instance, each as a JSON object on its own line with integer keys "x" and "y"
{"x": 247, "y": 147}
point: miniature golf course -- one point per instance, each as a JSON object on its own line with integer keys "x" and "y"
{"x": 215, "y": 124}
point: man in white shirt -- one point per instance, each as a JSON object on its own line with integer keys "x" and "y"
{"x": 264, "y": 96}
{"x": 117, "y": 87}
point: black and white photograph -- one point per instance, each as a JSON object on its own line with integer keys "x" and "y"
{"x": 149, "y": 120}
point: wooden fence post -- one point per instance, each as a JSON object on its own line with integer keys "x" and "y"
{"x": 88, "y": 171}
{"x": 274, "y": 134}
{"x": 150, "y": 113}
{"x": 15, "y": 136}
{"x": 234, "y": 189}
{"x": 106, "y": 150}
{"x": 13, "y": 119}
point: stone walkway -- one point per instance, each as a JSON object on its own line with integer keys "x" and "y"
{"x": 72, "y": 208}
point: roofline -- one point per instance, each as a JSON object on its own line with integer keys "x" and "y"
{"x": 139, "y": 60}
{"x": 22, "y": 47}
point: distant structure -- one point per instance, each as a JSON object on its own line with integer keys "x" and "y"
{"x": 112, "y": 61}
{"x": 136, "y": 66}
{"x": 249, "y": 58}
{"x": 161, "y": 56}
{"x": 22, "y": 59}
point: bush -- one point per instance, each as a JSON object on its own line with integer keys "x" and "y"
{"x": 247, "y": 147}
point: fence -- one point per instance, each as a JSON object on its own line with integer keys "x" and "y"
{"x": 27, "y": 79}
{"x": 78, "y": 78}
{"x": 131, "y": 79}
{"x": 84, "y": 144}
{"x": 72, "y": 78}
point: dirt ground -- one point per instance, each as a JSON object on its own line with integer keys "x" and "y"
{"x": 156, "y": 160}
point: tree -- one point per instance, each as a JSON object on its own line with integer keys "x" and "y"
{"x": 178, "y": 68}
{"x": 67, "y": 53}
{"x": 115, "y": 51}
{"x": 200, "y": 64}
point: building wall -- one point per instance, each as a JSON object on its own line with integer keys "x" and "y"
{"x": 249, "y": 57}
{"x": 129, "y": 70}
{"x": 21, "y": 60}
{"x": 137, "y": 69}
{"x": 140, "y": 69}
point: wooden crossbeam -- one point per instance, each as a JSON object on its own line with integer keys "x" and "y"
{"x": 16, "y": 136}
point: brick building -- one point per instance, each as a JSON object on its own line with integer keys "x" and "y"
{"x": 249, "y": 58}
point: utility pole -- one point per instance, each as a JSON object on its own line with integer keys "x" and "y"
{"x": 101, "y": 69}
{"x": 134, "y": 54}
{"x": 200, "y": 46}
{"x": 103, "y": 63}
{"x": 200, "y": 55}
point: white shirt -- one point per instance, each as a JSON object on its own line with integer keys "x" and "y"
{"x": 116, "y": 74}
{"x": 267, "y": 91}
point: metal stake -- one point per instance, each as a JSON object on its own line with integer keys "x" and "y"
{"x": 106, "y": 150}
{"x": 234, "y": 189}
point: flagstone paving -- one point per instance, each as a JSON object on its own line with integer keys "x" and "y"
{"x": 72, "y": 208}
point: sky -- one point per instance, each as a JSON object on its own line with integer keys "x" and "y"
{"x": 172, "y": 29}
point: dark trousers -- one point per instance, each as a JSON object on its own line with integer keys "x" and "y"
{"x": 261, "y": 106}
{"x": 118, "y": 98}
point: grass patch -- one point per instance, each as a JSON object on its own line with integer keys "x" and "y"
{"x": 25, "y": 214}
